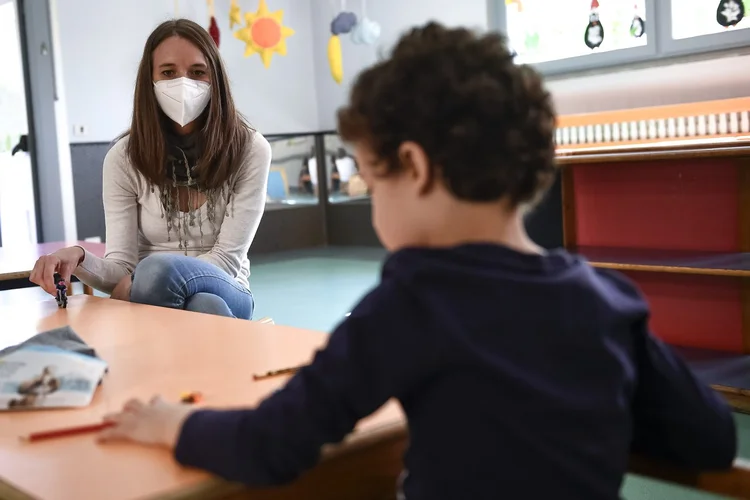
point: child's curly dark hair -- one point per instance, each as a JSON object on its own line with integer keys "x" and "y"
{"x": 486, "y": 124}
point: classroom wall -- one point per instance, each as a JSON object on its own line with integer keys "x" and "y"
{"x": 298, "y": 94}
{"x": 102, "y": 43}
{"x": 394, "y": 17}
{"x": 680, "y": 82}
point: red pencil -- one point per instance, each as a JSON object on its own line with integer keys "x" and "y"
{"x": 70, "y": 431}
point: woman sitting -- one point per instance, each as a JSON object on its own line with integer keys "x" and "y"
{"x": 184, "y": 189}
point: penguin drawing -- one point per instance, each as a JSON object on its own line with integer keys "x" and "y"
{"x": 594, "y": 35}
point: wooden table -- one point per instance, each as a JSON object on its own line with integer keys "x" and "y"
{"x": 216, "y": 356}
{"x": 17, "y": 262}
{"x": 154, "y": 350}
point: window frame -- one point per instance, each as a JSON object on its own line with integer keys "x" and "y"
{"x": 660, "y": 44}
{"x": 701, "y": 44}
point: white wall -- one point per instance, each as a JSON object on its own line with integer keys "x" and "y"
{"x": 297, "y": 94}
{"x": 63, "y": 147}
{"x": 102, "y": 42}
{"x": 673, "y": 83}
{"x": 394, "y": 17}
{"x": 676, "y": 83}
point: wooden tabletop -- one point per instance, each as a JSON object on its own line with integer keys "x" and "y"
{"x": 150, "y": 350}
{"x": 16, "y": 262}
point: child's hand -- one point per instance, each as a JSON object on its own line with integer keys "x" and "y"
{"x": 156, "y": 423}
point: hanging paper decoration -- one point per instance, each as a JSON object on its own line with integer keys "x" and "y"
{"x": 343, "y": 23}
{"x": 594, "y": 35}
{"x": 730, "y": 12}
{"x": 213, "y": 26}
{"x": 264, "y": 33}
{"x": 213, "y": 30}
{"x": 366, "y": 32}
{"x": 638, "y": 26}
{"x": 235, "y": 15}
{"x": 517, "y": 3}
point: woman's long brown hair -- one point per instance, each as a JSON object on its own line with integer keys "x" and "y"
{"x": 224, "y": 133}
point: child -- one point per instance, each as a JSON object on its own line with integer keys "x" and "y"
{"x": 508, "y": 359}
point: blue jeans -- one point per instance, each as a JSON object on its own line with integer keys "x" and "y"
{"x": 179, "y": 282}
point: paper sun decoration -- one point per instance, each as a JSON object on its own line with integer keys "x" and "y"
{"x": 264, "y": 33}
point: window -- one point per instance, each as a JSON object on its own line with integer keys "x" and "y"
{"x": 691, "y": 18}
{"x": 344, "y": 182}
{"x": 292, "y": 180}
{"x": 552, "y": 34}
{"x": 551, "y": 30}
{"x": 692, "y": 26}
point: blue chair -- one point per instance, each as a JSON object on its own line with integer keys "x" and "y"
{"x": 278, "y": 186}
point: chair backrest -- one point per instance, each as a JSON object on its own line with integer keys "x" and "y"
{"x": 278, "y": 185}
{"x": 734, "y": 483}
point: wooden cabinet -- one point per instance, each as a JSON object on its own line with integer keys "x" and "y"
{"x": 672, "y": 211}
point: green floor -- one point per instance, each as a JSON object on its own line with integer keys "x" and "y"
{"x": 315, "y": 289}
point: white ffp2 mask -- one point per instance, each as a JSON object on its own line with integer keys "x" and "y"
{"x": 182, "y": 99}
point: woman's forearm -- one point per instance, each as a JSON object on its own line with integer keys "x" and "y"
{"x": 102, "y": 274}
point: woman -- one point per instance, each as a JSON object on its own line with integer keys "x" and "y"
{"x": 184, "y": 189}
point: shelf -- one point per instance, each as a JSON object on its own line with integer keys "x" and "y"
{"x": 668, "y": 261}
{"x": 713, "y": 147}
{"x": 727, "y": 373}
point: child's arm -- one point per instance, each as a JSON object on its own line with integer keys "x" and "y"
{"x": 676, "y": 418}
{"x": 377, "y": 354}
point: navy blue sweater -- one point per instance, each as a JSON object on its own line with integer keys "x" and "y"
{"x": 522, "y": 376}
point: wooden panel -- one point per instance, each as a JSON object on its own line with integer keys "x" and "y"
{"x": 669, "y": 261}
{"x": 289, "y": 228}
{"x": 544, "y": 223}
{"x": 744, "y": 229}
{"x": 655, "y": 150}
{"x": 368, "y": 473}
{"x": 694, "y": 311}
{"x": 569, "y": 220}
{"x": 350, "y": 224}
{"x": 689, "y": 205}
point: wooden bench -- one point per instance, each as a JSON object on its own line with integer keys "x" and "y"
{"x": 17, "y": 262}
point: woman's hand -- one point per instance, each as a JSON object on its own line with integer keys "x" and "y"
{"x": 122, "y": 290}
{"x": 63, "y": 262}
{"x": 156, "y": 423}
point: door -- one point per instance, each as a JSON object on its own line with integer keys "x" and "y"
{"x": 17, "y": 204}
